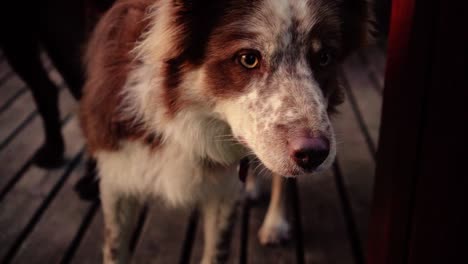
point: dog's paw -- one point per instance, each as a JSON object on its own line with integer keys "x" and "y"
{"x": 87, "y": 187}
{"x": 252, "y": 191}
{"x": 274, "y": 233}
{"x": 50, "y": 156}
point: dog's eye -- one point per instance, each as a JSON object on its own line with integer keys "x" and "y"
{"x": 325, "y": 58}
{"x": 249, "y": 60}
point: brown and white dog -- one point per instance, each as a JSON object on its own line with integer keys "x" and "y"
{"x": 178, "y": 91}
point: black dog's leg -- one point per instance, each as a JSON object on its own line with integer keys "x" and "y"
{"x": 64, "y": 28}
{"x": 88, "y": 186}
{"x": 62, "y": 32}
{"x": 23, "y": 56}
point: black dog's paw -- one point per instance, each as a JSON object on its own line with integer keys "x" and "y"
{"x": 87, "y": 187}
{"x": 49, "y": 156}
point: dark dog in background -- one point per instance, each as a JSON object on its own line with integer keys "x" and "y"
{"x": 60, "y": 29}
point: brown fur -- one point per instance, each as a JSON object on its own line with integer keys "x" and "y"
{"x": 198, "y": 23}
{"x": 108, "y": 67}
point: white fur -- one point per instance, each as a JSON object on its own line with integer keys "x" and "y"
{"x": 170, "y": 172}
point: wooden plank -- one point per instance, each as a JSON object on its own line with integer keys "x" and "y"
{"x": 90, "y": 249}
{"x": 15, "y": 115}
{"x": 163, "y": 235}
{"x": 26, "y": 142}
{"x": 21, "y": 203}
{"x": 365, "y": 101}
{"x": 373, "y": 58}
{"x": 59, "y": 224}
{"x": 325, "y": 238}
{"x": 377, "y": 55}
{"x": 9, "y": 89}
{"x": 357, "y": 165}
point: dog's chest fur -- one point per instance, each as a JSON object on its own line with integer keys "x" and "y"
{"x": 169, "y": 172}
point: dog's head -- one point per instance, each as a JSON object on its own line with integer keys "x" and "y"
{"x": 268, "y": 68}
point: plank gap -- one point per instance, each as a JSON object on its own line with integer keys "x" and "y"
{"x": 12, "y": 99}
{"x": 18, "y": 129}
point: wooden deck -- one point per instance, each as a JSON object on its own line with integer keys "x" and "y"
{"x": 42, "y": 220}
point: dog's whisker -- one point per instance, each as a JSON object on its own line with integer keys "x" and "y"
{"x": 255, "y": 168}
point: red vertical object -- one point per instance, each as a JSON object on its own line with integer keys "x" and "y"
{"x": 421, "y": 188}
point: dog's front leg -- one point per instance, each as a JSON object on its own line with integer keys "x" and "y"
{"x": 219, "y": 216}
{"x": 275, "y": 227}
{"x": 120, "y": 215}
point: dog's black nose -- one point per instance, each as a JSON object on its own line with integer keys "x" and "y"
{"x": 309, "y": 152}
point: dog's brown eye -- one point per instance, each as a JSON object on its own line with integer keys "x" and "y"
{"x": 249, "y": 60}
{"x": 325, "y": 58}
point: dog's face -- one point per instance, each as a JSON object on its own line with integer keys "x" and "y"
{"x": 269, "y": 69}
